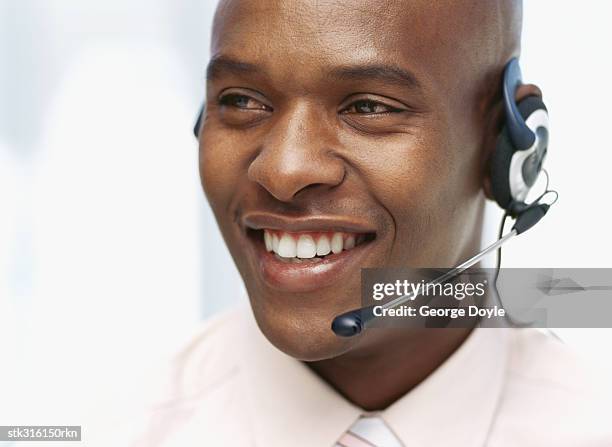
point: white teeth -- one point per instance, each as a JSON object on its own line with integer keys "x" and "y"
{"x": 303, "y": 246}
{"x": 323, "y": 247}
{"x": 268, "y": 240}
{"x": 306, "y": 247}
{"x": 275, "y": 243}
{"x": 336, "y": 243}
{"x": 287, "y": 248}
{"x": 349, "y": 243}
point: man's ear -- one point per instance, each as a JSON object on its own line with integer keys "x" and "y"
{"x": 495, "y": 126}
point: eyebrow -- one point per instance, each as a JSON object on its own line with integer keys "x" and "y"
{"x": 389, "y": 74}
{"x": 222, "y": 64}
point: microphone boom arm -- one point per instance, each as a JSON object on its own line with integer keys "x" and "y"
{"x": 352, "y": 322}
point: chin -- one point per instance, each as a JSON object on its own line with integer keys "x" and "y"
{"x": 307, "y": 338}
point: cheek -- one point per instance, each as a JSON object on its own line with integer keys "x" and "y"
{"x": 219, "y": 166}
{"x": 412, "y": 180}
{"x": 416, "y": 180}
{"x": 221, "y": 174}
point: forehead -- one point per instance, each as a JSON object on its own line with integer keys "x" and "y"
{"x": 436, "y": 40}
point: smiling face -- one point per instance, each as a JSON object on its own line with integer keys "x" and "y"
{"x": 342, "y": 135}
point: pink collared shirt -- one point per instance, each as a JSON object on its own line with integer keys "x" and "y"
{"x": 502, "y": 387}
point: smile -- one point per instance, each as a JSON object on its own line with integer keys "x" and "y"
{"x": 314, "y": 246}
{"x": 301, "y": 255}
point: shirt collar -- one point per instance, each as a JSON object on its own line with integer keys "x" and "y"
{"x": 456, "y": 404}
{"x": 289, "y": 403}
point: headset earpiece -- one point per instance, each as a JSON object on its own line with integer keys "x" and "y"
{"x": 521, "y": 146}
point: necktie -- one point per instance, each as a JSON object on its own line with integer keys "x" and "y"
{"x": 369, "y": 431}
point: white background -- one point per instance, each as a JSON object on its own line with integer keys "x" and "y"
{"x": 109, "y": 256}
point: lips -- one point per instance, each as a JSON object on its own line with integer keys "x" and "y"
{"x": 306, "y": 254}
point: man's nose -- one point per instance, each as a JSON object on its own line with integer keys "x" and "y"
{"x": 296, "y": 154}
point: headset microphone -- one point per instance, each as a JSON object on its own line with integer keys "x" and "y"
{"x": 515, "y": 165}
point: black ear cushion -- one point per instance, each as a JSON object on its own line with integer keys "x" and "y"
{"x": 529, "y": 105}
{"x": 198, "y": 123}
{"x": 504, "y": 149}
{"x": 196, "y": 126}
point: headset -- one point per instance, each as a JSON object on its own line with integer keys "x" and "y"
{"x": 198, "y": 123}
{"x": 515, "y": 165}
{"x": 521, "y": 146}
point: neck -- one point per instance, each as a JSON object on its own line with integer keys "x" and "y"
{"x": 388, "y": 364}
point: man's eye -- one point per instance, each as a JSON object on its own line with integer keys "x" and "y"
{"x": 366, "y": 106}
{"x": 242, "y": 102}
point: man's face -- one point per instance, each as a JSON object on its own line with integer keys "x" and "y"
{"x": 338, "y": 123}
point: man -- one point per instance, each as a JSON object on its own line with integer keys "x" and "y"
{"x": 346, "y": 134}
